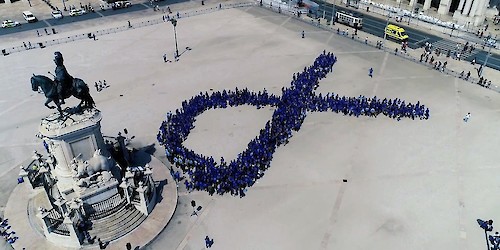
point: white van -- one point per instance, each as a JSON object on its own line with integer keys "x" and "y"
{"x": 28, "y": 16}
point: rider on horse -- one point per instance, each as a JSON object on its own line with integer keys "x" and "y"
{"x": 62, "y": 79}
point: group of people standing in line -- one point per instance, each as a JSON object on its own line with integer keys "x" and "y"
{"x": 9, "y": 236}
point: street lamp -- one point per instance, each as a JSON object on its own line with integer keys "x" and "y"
{"x": 412, "y": 11}
{"x": 333, "y": 13}
{"x": 64, "y": 4}
{"x": 387, "y": 24}
{"x": 490, "y": 44}
{"x": 174, "y": 23}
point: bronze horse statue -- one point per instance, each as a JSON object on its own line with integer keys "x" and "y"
{"x": 78, "y": 89}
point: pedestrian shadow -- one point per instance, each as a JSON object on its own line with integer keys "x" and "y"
{"x": 159, "y": 188}
{"x": 184, "y": 51}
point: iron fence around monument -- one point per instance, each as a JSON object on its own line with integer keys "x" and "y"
{"x": 104, "y": 208}
{"x": 55, "y": 223}
{"x": 35, "y": 178}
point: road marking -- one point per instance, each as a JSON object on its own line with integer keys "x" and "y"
{"x": 15, "y": 106}
{"x": 199, "y": 220}
{"x": 329, "y": 38}
{"x": 459, "y": 169}
{"x": 286, "y": 21}
{"x": 333, "y": 216}
{"x": 381, "y": 73}
{"x": 48, "y": 24}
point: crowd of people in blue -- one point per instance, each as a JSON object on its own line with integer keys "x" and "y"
{"x": 6, "y": 231}
{"x": 291, "y": 108}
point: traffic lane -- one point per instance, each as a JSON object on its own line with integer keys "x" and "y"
{"x": 72, "y": 19}
{"x": 133, "y": 7}
{"x": 168, "y": 2}
{"x": 47, "y": 24}
{"x": 417, "y": 38}
{"x": 493, "y": 61}
{"x": 23, "y": 27}
{"x": 379, "y": 23}
{"x": 376, "y": 27}
{"x": 6, "y": 31}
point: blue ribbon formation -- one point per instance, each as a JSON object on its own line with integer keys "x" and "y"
{"x": 290, "y": 111}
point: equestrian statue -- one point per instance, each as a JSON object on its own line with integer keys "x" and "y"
{"x": 62, "y": 87}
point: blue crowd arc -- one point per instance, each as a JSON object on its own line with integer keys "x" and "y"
{"x": 291, "y": 108}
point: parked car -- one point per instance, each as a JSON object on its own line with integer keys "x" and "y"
{"x": 490, "y": 42}
{"x": 121, "y": 5}
{"x": 10, "y": 24}
{"x": 76, "y": 12}
{"x": 57, "y": 14}
{"x": 28, "y": 16}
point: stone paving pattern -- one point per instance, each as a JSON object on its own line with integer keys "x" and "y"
{"x": 410, "y": 184}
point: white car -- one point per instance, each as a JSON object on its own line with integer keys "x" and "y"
{"x": 76, "y": 12}
{"x": 28, "y": 16}
{"x": 57, "y": 14}
{"x": 121, "y": 5}
{"x": 490, "y": 42}
{"x": 9, "y": 24}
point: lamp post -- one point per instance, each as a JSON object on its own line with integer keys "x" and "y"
{"x": 174, "y": 23}
{"x": 412, "y": 11}
{"x": 489, "y": 54}
{"x": 333, "y": 13}
{"x": 387, "y": 24}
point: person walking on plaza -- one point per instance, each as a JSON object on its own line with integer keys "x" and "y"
{"x": 467, "y": 117}
{"x": 370, "y": 72}
{"x": 208, "y": 242}
{"x": 303, "y": 35}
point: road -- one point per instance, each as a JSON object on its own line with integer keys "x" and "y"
{"x": 52, "y": 23}
{"x": 375, "y": 26}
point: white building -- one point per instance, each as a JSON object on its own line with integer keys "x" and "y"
{"x": 465, "y": 12}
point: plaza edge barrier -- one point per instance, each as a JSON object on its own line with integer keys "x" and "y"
{"x": 158, "y": 20}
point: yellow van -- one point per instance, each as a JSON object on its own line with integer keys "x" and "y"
{"x": 396, "y": 32}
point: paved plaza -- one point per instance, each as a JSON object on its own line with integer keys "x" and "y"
{"x": 409, "y": 184}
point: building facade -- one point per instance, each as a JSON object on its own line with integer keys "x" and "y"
{"x": 465, "y": 12}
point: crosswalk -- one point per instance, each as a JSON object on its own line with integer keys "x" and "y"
{"x": 445, "y": 45}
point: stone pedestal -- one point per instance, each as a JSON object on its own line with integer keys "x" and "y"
{"x": 79, "y": 135}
